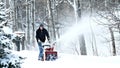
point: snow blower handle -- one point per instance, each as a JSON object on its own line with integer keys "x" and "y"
{"x": 46, "y": 46}
{"x": 53, "y": 44}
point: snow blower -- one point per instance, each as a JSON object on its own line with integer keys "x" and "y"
{"x": 49, "y": 53}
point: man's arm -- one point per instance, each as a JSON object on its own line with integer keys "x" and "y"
{"x": 37, "y": 36}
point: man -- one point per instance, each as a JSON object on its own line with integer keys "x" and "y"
{"x": 41, "y": 35}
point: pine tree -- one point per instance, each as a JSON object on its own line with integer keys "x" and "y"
{"x": 7, "y": 58}
{"x": 2, "y": 13}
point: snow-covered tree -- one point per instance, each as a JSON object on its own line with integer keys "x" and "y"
{"x": 109, "y": 12}
{"x": 8, "y": 59}
{"x": 2, "y": 12}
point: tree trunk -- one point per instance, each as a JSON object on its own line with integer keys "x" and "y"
{"x": 51, "y": 22}
{"x": 93, "y": 41}
{"x": 58, "y": 33}
{"x": 28, "y": 23}
{"x": 75, "y": 7}
{"x": 58, "y": 27}
{"x": 14, "y": 23}
{"x": 91, "y": 7}
{"x": 79, "y": 9}
{"x": 33, "y": 22}
{"x": 19, "y": 15}
{"x": 113, "y": 41}
{"x": 82, "y": 45}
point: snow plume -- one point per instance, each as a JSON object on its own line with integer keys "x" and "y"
{"x": 92, "y": 33}
{"x": 70, "y": 37}
{"x": 74, "y": 31}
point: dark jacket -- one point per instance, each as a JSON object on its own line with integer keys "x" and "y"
{"x": 42, "y": 34}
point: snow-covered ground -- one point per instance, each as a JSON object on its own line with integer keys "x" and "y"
{"x": 70, "y": 61}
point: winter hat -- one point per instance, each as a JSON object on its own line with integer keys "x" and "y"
{"x": 41, "y": 25}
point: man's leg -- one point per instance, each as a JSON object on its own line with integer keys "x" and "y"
{"x": 40, "y": 57}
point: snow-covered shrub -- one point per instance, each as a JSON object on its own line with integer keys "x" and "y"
{"x": 9, "y": 59}
{"x": 5, "y": 43}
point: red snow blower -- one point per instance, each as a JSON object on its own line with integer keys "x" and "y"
{"x": 49, "y": 53}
